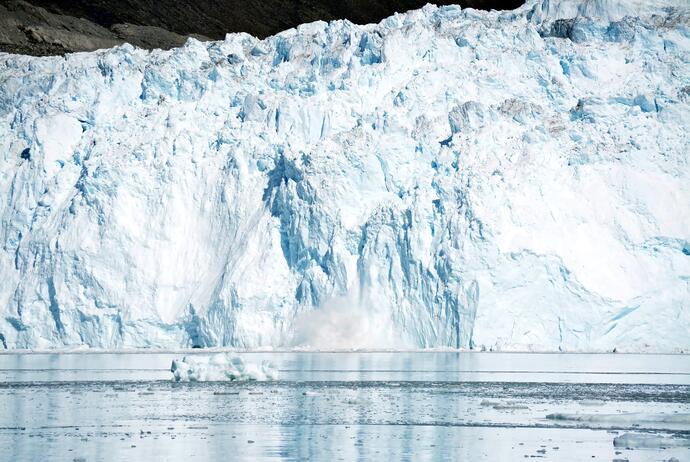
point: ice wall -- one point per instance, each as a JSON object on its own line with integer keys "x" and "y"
{"x": 447, "y": 178}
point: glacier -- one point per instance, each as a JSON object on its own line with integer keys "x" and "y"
{"x": 448, "y": 178}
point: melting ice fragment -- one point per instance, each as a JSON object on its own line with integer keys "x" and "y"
{"x": 625, "y": 418}
{"x": 649, "y": 441}
{"x": 220, "y": 367}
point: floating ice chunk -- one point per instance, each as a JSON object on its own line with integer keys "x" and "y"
{"x": 219, "y": 368}
{"x": 510, "y": 407}
{"x": 486, "y": 402}
{"x": 649, "y": 441}
{"x": 310, "y": 393}
{"x": 623, "y": 418}
{"x": 591, "y": 402}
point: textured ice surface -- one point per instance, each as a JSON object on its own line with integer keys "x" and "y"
{"x": 507, "y": 180}
{"x": 220, "y": 367}
{"x": 649, "y": 441}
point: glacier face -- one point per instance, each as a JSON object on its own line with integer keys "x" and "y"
{"x": 446, "y": 178}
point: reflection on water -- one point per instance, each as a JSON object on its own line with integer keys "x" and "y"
{"x": 374, "y": 366}
{"x": 342, "y": 406}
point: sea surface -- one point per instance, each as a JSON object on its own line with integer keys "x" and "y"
{"x": 348, "y": 406}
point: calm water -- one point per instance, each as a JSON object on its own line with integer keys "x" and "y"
{"x": 348, "y": 406}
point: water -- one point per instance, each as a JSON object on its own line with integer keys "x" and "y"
{"x": 347, "y": 406}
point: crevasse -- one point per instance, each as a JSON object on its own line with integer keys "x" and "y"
{"x": 446, "y": 178}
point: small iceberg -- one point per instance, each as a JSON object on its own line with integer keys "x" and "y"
{"x": 648, "y": 441}
{"x": 221, "y": 367}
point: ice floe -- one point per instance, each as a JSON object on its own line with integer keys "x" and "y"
{"x": 649, "y": 441}
{"x": 219, "y": 368}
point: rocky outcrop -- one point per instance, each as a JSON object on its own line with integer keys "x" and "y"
{"x": 53, "y": 27}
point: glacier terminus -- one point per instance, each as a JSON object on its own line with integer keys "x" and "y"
{"x": 448, "y": 178}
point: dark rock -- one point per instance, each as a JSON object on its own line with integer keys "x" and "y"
{"x": 51, "y": 27}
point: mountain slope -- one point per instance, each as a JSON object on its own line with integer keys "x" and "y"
{"x": 50, "y": 27}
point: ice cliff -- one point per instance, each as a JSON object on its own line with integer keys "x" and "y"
{"x": 446, "y": 178}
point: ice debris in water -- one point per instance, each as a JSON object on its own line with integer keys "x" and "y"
{"x": 628, "y": 417}
{"x": 220, "y": 368}
{"x": 649, "y": 441}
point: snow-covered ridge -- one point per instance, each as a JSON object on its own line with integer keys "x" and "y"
{"x": 506, "y": 180}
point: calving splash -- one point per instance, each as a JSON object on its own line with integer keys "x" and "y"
{"x": 446, "y": 178}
